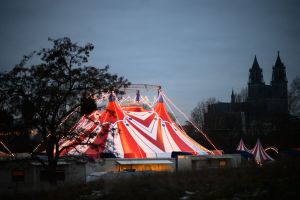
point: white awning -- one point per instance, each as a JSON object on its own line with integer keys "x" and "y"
{"x": 143, "y": 162}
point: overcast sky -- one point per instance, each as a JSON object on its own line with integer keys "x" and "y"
{"x": 195, "y": 49}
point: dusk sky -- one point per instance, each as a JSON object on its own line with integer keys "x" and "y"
{"x": 195, "y": 49}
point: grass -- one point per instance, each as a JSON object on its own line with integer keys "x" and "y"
{"x": 279, "y": 180}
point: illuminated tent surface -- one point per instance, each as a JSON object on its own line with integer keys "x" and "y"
{"x": 259, "y": 153}
{"x": 130, "y": 131}
{"x": 3, "y": 148}
{"x": 2, "y": 154}
{"x": 242, "y": 146}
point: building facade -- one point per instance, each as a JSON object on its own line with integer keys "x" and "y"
{"x": 263, "y": 98}
{"x": 263, "y": 112}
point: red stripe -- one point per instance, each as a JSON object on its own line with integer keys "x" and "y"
{"x": 145, "y": 122}
{"x": 159, "y": 140}
{"x": 81, "y": 136}
{"x": 161, "y": 111}
{"x": 100, "y": 141}
{"x": 179, "y": 142}
{"x": 130, "y": 147}
{"x": 112, "y": 113}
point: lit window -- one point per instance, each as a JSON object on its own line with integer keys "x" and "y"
{"x": 222, "y": 163}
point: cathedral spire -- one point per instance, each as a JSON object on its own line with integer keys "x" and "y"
{"x": 278, "y": 73}
{"x": 279, "y": 81}
{"x": 232, "y": 96}
{"x": 278, "y": 62}
{"x": 255, "y": 64}
{"x": 255, "y": 76}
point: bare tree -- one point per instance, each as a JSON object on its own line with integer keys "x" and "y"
{"x": 44, "y": 95}
{"x": 199, "y": 111}
{"x": 242, "y": 95}
{"x": 294, "y": 97}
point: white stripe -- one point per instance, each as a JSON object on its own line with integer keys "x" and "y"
{"x": 82, "y": 125}
{"x": 187, "y": 141}
{"x": 140, "y": 115}
{"x": 148, "y": 147}
{"x": 169, "y": 143}
{"x": 151, "y": 130}
{"x": 152, "y": 146}
{"x": 117, "y": 144}
{"x": 81, "y": 149}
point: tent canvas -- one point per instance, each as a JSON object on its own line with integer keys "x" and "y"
{"x": 129, "y": 131}
{"x": 2, "y": 154}
{"x": 259, "y": 153}
{"x": 242, "y": 146}
{"x": 3, "y": 148}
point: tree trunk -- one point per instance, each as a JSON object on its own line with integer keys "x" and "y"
{"x": 52, "y": 164}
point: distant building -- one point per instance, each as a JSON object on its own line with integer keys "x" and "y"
{"x": 264, "y": 111}
{"x": 271, "y": 98}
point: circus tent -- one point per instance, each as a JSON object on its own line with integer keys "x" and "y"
{"x": 242, "y": 146}
{"x": 3, "y": 149}
{"x": 131, "y": 131}
{"x": 259, "y": 153}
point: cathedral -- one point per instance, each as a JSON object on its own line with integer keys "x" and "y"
{"x": 262, "y": 112}
{"x": 263, "y": 98}
{"x": 266, "y": 104}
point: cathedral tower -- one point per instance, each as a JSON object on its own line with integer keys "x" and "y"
{"x": 232, "y": 97}
{"x": 279, "y": 80}
{"x": 256, "y": 83}
{"x": 279, "y": 87}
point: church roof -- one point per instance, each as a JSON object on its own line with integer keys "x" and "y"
{"x": 255, "y": 64}
{"x": 278, "y": 62}
{"x": 255, "y": 75}
{"x": 278, "y": 73}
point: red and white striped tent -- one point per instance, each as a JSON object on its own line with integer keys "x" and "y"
{"x": 2, "y": 154}
{"x": 130, "y": 131}
{"x": 259, "y": 153}
{"x": 242, "y": 146}
{"x": 5, "y": 148}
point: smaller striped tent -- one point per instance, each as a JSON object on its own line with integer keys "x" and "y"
{"x": 242, "y": 146}
{"x": 259, "y": 153}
